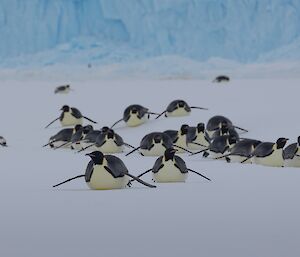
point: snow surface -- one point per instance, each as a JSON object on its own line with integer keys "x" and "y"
{"x": 246, "y": 210}
{"x": 239, "y": 30}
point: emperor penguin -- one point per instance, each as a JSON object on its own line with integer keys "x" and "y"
{"x": 197, "y": 138}
{"x": 3, "y": 141}
{"x": 109, "y": 142}
{"x": 70, "y": 116}
{"x": 178, "y": 108}
{"x": 224, "y": 130}
{"x": 90, "y": 137}
{"x": 269, "y": 154}
{"x": 218, "y": 147}
{"x": 179, "y": 138}
{"x": 135, "y": 115}
{"x": 64, "y": 89}
{"x": 106, "y": 172}
{"x": 215, "y": 123}
{"x": 291, "y": 154}
{"x": 170, "y": 168}
{"x": 221, "y": 78}
{"x": 79, "y": 135}
{"x": 153, "y": 144}
{"x": 241, "y": 150}
{"x": 63, "y": 137}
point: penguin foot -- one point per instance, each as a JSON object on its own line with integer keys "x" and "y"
{"x": 228, "y": 159}
{"x": 205, "y": 154}
{"x": 129, "y": 184}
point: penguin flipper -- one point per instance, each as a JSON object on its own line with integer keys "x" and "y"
{"x": 52, "y": 122}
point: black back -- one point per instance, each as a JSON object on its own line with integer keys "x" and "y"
{"x": 290, "y": 151}
{"x": 76, "y": 113}
{"x": 63, "y": 135}
{"x": 244, "y": 147}
{"x": 263, "y": 149}
{"x": 219, "y": 144}
{"x": 116, "y": 165}
{"x": 174, "y": 105}
{"x": 173, "y": 134}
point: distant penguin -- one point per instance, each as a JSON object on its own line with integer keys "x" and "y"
{"x": 153, "y": 144}
{"x": 269, "y": 154}
{"x": 135, "y": 115}
{"x": 178, "y": 108}
{"x": 221, "y": 78}
{"x": 3, "y": 141}
{"x": 106, "y": 172}
{"x": 218, "y": 147}
{"x": 70, "y": 116}
{"x": 63, "y": 137}
{"x": 215, "y": 123}
{"x": 78, "y": 136}
{"x": 179, "y": 138}
{"x": 291, "y": 155}
{"x": 197, "y": 139}
{"x": 240, "y": 150}
{"x": 109, "y": 142}
{"x": 65, "y": 89}
{"x": 170, "y": 168}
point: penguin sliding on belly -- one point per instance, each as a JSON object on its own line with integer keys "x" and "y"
{"x": 179, "y": 138}
{"x": 241, "y": 150}
{"x": 3, "y": 141}
{"x": 78, "y": 136}
{"x": 178, "y": 108}
{"x": 291, "y": 155}
{"x": 64, "y": 89}
{"x": 108, "y": 142}
{"x": 197, "y": 138}
{"x": 63, "y": 137}
{"x": 218, "y": 147}
{"x": 269, "y": 154}
{"x": 153, "y": 144}
{"x": 106, "y": 172}
{"x": 170, "y": 168}
{"x": 215, "y": 123}
{"x": 70, "y": 116}
{"x": 135, "y": 115}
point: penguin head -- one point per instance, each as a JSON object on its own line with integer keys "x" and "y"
{"x": 134, "y": 110}
{"x": 97, "y": 157}
{"x": 200, "y": 127}
{"x": 157, "y": 139}
{"x": 224, "y": 127}
{"x": 298, "y": 140}
{"x": 110, "y": 134}
{"x": 87, "y": 129}
{"x": 184, "y": 129}
{"x": 280, "y": 143}
{"x": 169, "y": 154}
{"x": 65, "y": 108}
{"x": 232, "y": 140}
{"x": 67, "y": 86}
{"x": 181, "y": 104}
{"x": 77, "y": 127}
{"x": 105, "y": 129}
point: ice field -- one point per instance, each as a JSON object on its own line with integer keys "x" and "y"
{"x": 245, "y": 211}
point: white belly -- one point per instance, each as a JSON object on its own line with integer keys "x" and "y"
{"x": 156, "y": 150}
{"x": 168, "y": 174}
{"x": 295, "y": 162}
{"x": 134, "y": 121}
{"x": 110, "y": 147}
{"x": 182, "y": 143}
{"x": 178, "y": 112}
{"x": 70, "y": 120}
{"x": 77, "y": 146}
{"x": 200, "y": 140}
{"x": 273, "y": 160}
{"x": 239, "y": 159}
{"x": 65, "y": 91}
{"x": 59, "y": 144}
{"x": 102, "y": 180}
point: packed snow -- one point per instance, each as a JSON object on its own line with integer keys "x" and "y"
{"x": 247, "y": 210}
